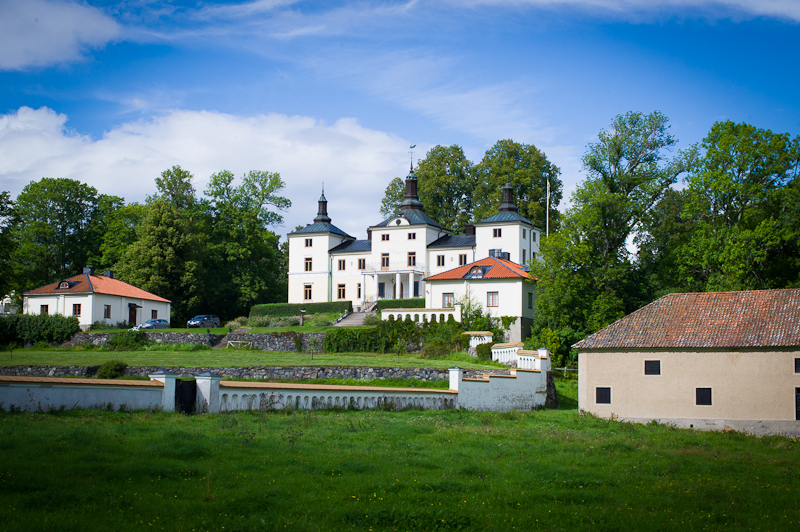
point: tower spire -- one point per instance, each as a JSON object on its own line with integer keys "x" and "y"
{"x": 508, "y": 204}
{"x": 322, "y": 209}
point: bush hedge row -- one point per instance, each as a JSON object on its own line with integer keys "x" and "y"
{"x": 27, "y": 329}
{"x": 417, "y": 302}
{"x": 293, "y": 309}
{"x": 389, "y": 335}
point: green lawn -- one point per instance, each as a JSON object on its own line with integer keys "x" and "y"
{"x": 229, "y": 357}
{"x": 386, "y": 471}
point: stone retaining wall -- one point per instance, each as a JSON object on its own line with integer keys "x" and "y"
{"x": 281, "y": 341}
{"x": 260, "y": 372}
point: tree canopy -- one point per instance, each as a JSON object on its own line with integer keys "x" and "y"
{"x": 456, "y": 192}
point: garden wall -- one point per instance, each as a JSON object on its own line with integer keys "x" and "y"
{"x": 282, "y": 341}
{"x": 261, "y": 372}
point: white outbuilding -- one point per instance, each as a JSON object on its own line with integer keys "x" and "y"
{"x": 96, "y": 298}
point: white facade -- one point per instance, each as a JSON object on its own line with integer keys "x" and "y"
{"x": 327, "y": 264}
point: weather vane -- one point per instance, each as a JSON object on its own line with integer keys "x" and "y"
{"x": 411, "y": 151}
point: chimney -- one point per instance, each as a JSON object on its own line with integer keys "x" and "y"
{"x": 469, "y": 230}
{"x": 369, "y": 235}
{"x": 88, "y": 270}
{"x": 109, "y": 274}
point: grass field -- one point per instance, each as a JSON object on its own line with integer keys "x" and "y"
{"x": 230, "y": 357}
{"x": 385, "y": 471}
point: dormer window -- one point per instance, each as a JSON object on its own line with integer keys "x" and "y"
{"x": 63, "y": 284}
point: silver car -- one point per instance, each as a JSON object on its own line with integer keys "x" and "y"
{"x": 155, "y": 324}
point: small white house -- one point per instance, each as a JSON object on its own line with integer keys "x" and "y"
{"x": 92, "y": 298}
{"x": 500, "y": 286}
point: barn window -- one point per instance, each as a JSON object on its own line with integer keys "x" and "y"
{"x": 703, "y": 397}
{"x": 652, "y": 367}
{"x": 603, "y": 396}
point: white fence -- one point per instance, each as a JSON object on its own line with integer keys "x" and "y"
{"x": 524, "y": 389}
{"x": 420, "y": 315}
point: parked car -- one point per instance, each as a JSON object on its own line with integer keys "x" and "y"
{"x": 204, "y": 320}
{"x": 154, "y": 324}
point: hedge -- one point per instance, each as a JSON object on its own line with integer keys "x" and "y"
{"x": 27, "y": 329}
{"x": 417, "y": 302}
{"x": 293, "y": 309}
{"x": 379, "y": 339}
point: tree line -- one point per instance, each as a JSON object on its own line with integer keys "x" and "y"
{"x": 209, "y": 254}
{"x": 720, "y": 215}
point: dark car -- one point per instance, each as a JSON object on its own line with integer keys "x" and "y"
{"x": 204, "y": 320}
{"x": 155, "y": 324}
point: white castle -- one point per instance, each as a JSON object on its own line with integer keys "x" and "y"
{"x": 411, "y": 255}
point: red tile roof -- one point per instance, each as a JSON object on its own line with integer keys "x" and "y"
{"x": 96, "y": 284}
{"x": 497, "y": 269}
{"x": 754, "y": 318}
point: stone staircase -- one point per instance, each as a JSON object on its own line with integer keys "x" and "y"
{"x": 354, "y": 319}
{"x": 223, "y": 344}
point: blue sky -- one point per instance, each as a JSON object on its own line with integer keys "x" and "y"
{"x": 112, "y": 93}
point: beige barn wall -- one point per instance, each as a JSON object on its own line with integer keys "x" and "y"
{"x": 745, "y": 384}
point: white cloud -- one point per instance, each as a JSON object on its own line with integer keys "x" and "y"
{"x": 36, "y": 33}
{"x": 784, "y": 9}
{"x": 355, "y": 163}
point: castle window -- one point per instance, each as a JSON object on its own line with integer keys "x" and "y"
{"x": 385, "y": 237}
{"x": 341, "y": 264}
{"x": 76, "y": 309}
{"x": 492, "y": 299}
{"x": 497, "y": 233}
{"x": 412, "y": 236}
{"x": 384, "y": 261}
{"x": 523, "y": 255}
{"x": 308, "y": 242}
{"x": 362, "y": 264}
{"x": 462, "y": 259}
{"x": 153, "y": 314}
{"x": 412, "y": 258}
{"x": 358, "y": 290}
{"x": 523, "y": 233}
{"x": 533, "y": 236}
{"x": 340, "y": 291}
{"x": 448, "y": 300}
{"x": 530, "y": 300}
{"x": 308, "y": 264}
{"x": 307, "y": 292}
{"x": 44, "y": 309}
{"x": 107, "y": 312}
{"x": 440, "y": 260}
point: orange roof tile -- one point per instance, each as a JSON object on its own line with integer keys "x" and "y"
{"x": 493, "y": 267}
{"x": 753, "y": 318}
{"x": 96, "y": 284}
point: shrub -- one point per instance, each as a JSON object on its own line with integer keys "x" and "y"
{"x": 381, "y": 338}
{"x": 484, "y": 351}
{"x": 127, "y": 341}
{"x": 27, "y": 329}
{"x": 372, "y": 319}
{"x": 417, "y": 302}
{"x": 440, "y": 339}
{"x": 293, "y": 309}
{"x": 112, "y": 369}
{"x": 238, "y": 323}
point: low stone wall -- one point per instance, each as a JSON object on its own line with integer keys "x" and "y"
{"x": 261, "y": 372}
{"x": 99, "y": 339}
{"x": 281, "y": 341}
